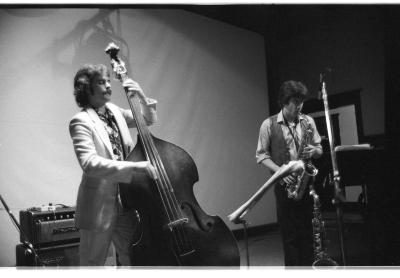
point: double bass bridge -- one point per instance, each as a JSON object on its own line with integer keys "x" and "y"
{"x": 177, "y": 222}
{"x": 183, "y": 244}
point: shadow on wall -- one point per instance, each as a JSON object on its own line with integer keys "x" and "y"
{"x": 85, "y": 39}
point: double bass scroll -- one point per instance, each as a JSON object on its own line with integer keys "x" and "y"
{"x": 175, "y": 231}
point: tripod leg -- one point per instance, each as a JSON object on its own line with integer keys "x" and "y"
{"x": 339, "y": 216}
{"x": 246, "y": 242}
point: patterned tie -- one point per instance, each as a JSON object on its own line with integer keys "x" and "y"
{"x": 111, "y": 127}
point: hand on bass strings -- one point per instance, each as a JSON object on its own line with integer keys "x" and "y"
{"x": 146, "y": 168}
{"x": 134, "y": 88}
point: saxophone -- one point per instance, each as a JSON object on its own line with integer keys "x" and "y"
{"x": 296, "y": 190}
{"x": 321, "y": 258}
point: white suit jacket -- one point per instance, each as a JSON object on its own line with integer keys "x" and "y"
{"x": 96, "y": 205}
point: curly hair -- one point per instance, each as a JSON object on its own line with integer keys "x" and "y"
{"x": 291, "y": 89}
{"x": 83, "y": 82}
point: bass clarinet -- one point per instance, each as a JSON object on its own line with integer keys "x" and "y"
{"x": 321, "y": 257}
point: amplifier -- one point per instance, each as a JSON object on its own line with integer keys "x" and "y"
{"x": 49, "y": 226}
{"x": 59, "y": 255}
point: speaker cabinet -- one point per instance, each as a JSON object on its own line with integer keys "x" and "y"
{"x": 58, "y": 255}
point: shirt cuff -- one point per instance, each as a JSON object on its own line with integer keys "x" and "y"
{"x": 150, "y": 102}
{"x": 261, "y": 157}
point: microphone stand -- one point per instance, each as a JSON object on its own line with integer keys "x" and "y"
{"x": 246, "y": 240}
{"x": 237, "y": 216}
{"x": 25, "y": 242}
{"x": 339, "y": 197}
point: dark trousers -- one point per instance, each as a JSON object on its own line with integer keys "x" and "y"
{"x": 295, "y": 218}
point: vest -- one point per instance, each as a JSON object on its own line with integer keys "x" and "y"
{"x": 280, "y": 155}
{"x": 279, "y": 149}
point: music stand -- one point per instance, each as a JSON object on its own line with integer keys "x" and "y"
{"x": 357, "y": 165}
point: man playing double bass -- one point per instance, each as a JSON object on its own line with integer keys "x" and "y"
{"x": 101, "y": 141}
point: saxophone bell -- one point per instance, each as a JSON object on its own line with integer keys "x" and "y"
{"x": 325, "y": 262}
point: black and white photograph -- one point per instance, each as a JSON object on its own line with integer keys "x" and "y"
{"x": 200, "y": 136}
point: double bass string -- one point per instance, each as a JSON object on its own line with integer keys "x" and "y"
{"x": 150, "y": 156}
{"x": 169, "y": 194}
{"x": 169, "y": 200}
{"x": 145, "y": 144}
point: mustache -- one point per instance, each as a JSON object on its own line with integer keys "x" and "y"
{"x": 109, "y": 92}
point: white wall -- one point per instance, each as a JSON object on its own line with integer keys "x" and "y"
{"x": 209, "y": 79}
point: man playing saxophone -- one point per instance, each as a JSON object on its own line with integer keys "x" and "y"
{"x": 280, "y": 141}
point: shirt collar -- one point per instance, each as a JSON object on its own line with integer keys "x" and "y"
{"x": 100, "y": 113}
{"x": 281, "y": 120}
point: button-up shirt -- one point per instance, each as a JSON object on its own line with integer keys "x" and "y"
{"x": 264, "y": 139}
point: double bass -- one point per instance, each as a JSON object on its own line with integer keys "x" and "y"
{"x": 173, "y": 229}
